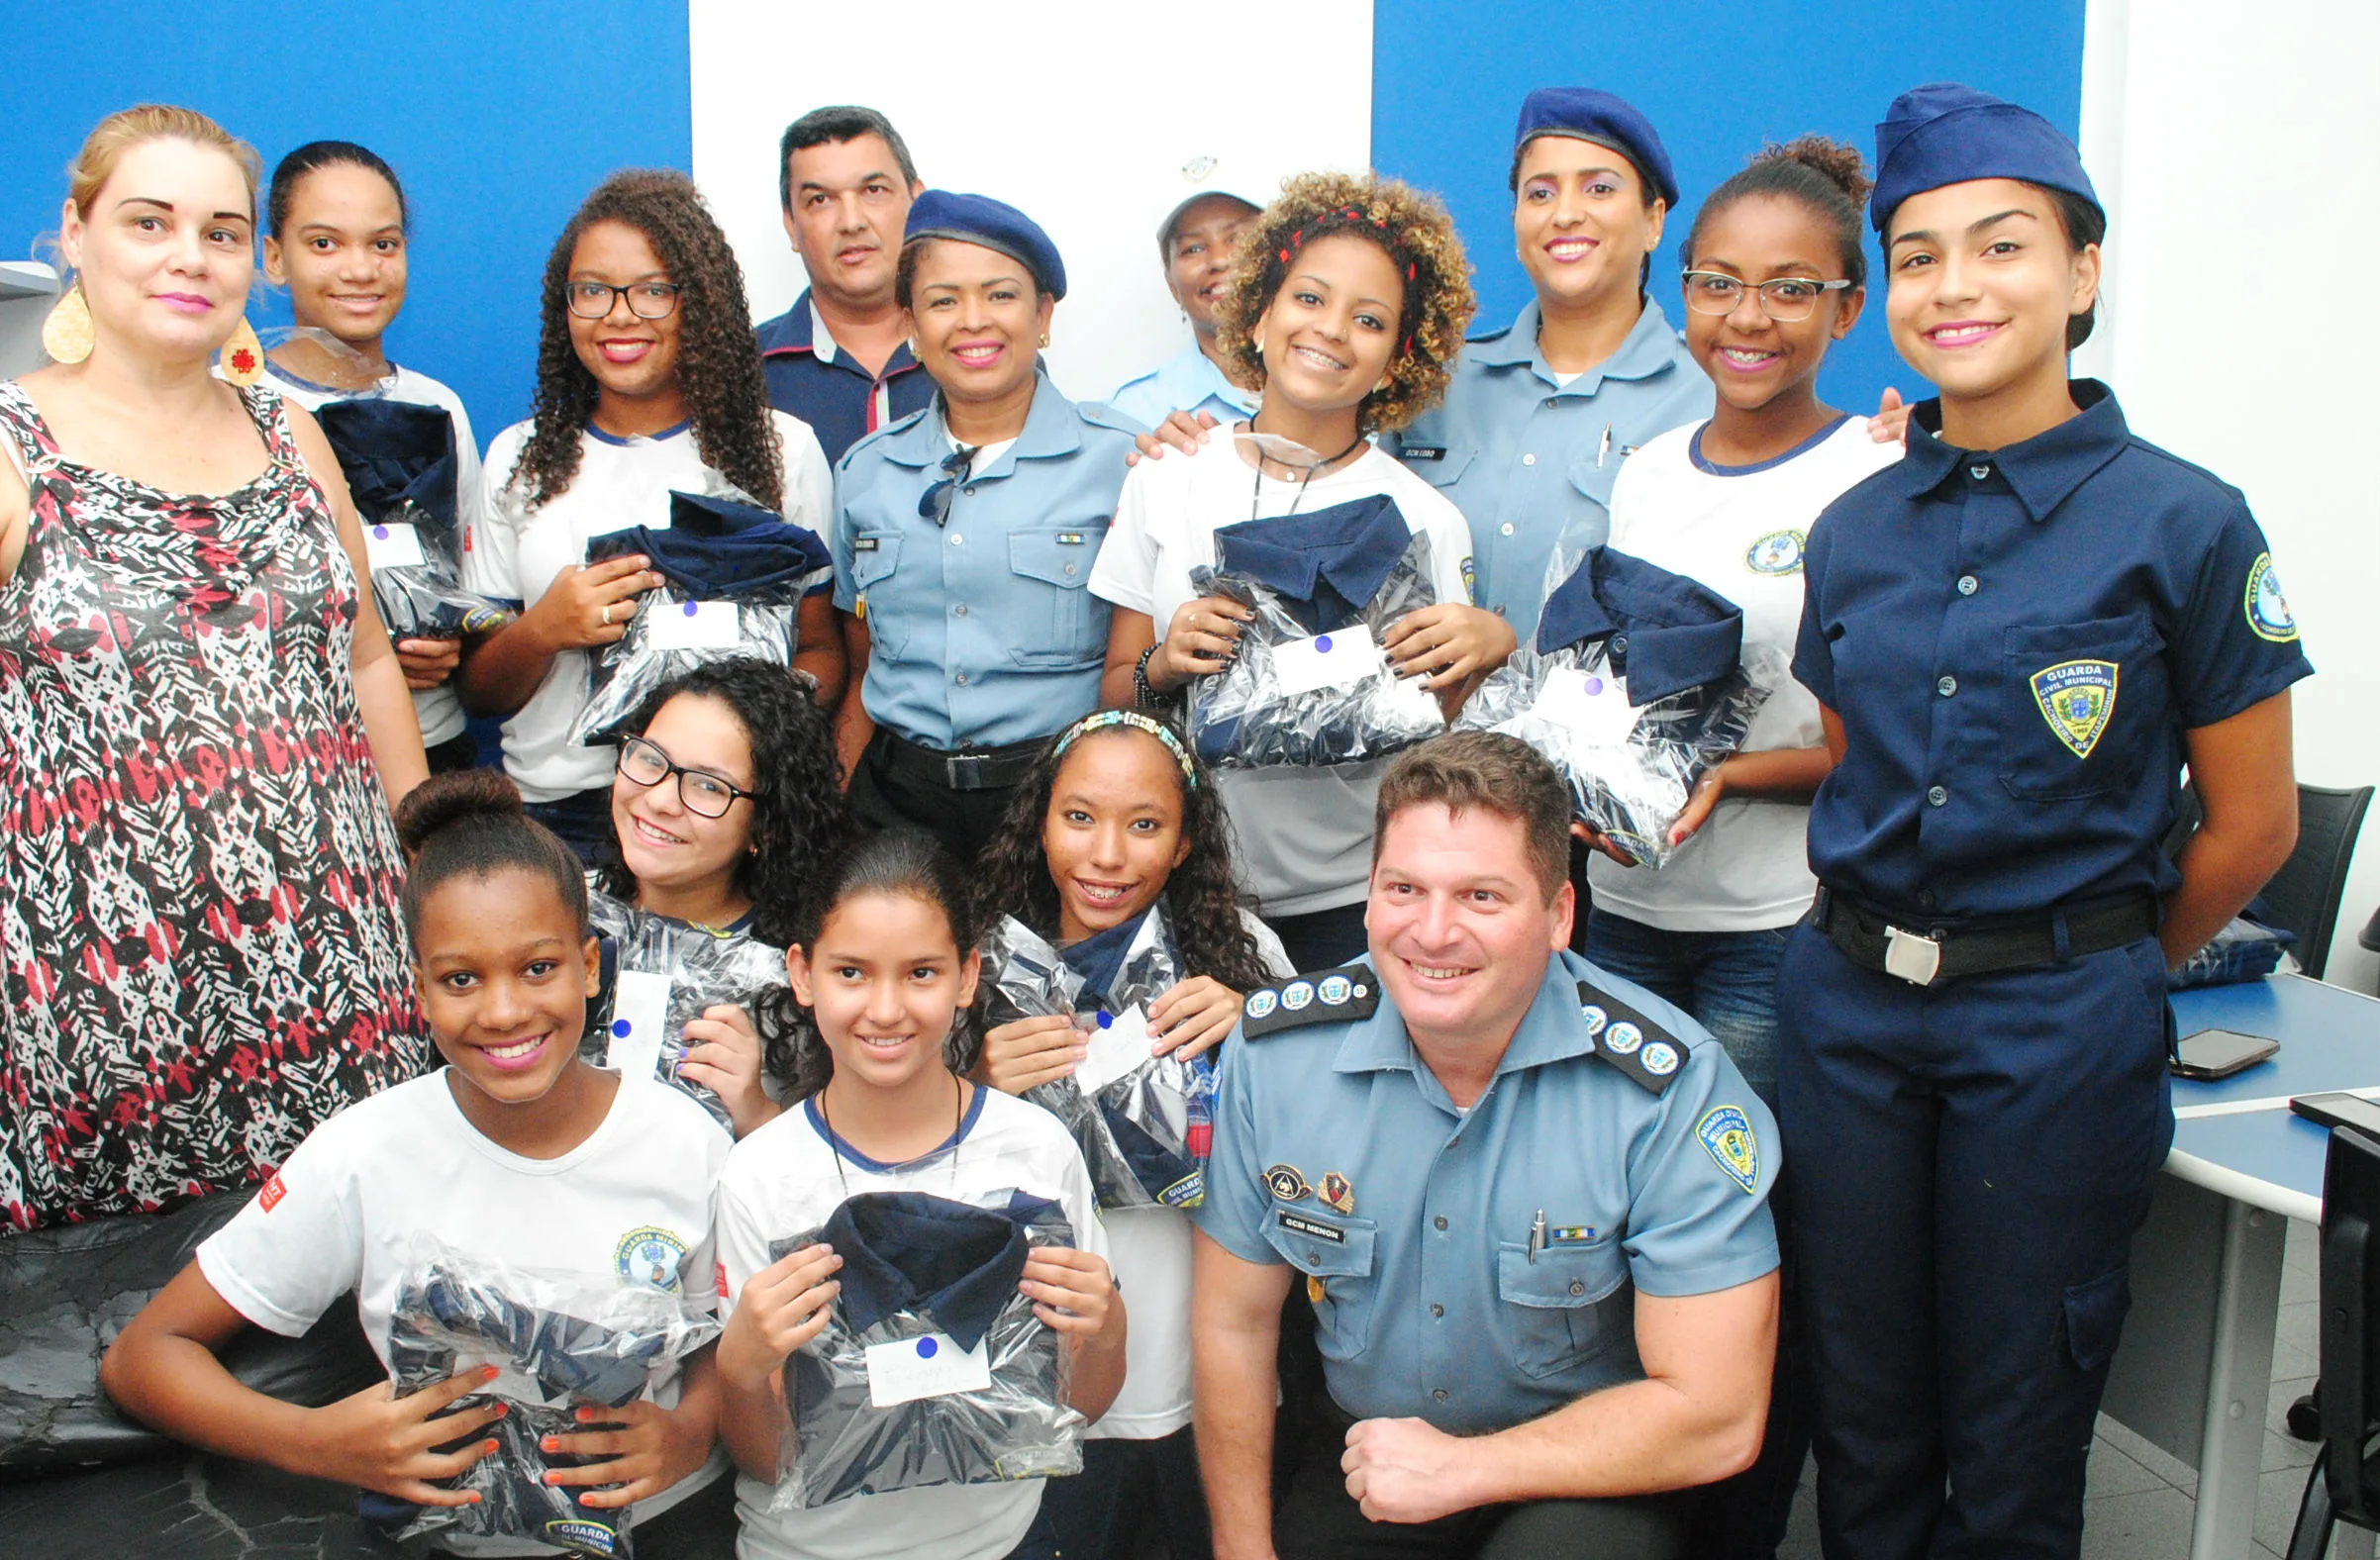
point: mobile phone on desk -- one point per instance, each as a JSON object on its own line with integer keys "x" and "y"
{"x": 2339, "y": 1109}
{"x": 2217, "y": 1053}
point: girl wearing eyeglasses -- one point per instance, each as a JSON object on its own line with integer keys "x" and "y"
{"x": 723, "y": 802}
{"x": 648, "y": 381}
{"x": 966, "y": 536}
{"x": 1774, "y": 276}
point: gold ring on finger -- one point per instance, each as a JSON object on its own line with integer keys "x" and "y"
{"x": 607, "y": 615}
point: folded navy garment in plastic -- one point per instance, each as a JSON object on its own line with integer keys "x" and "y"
{"x": 1322, "y": 585}
{"x": 733, "y": 581}
{"x": 932, "y": 1369}
{"x": 2243, "y": 950}
{"x": 688, "y": 968}
{"x": 1635, "y": 688}
{"x": 401, "y": 468}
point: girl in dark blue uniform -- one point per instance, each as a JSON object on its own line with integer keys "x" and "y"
{"x": 2018, "y": 636}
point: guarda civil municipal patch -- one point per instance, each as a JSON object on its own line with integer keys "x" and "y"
{"x": 2076, "y": 699}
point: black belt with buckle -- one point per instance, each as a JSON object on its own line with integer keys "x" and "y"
{"x": 1870, "y": 937}
{"x": 967, "y": 769}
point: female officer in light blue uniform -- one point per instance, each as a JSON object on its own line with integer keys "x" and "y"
{"x": 2018, "y": 634}
{"x": 965, "y": 534}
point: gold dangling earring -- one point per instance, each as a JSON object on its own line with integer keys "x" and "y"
{"x": 244, "y": 355}
{"x": 67, "y": 334}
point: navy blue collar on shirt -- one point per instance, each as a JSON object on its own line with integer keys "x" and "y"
{"x": 672, "y": 431}
{"x": 1694, "y": 451}
{"x": 1051, "y": 429}
{"x": 1666, "y": 632}
{"x": 836, "y": 1141}
{"x": 1336, "y": 557}
{"x": 1099, "y": 957}
{"x": 791, "y": 333}
{"x": 716, "y": 546}
{"x": 952, "y": 1263}
{"x": 2043, "y": 471}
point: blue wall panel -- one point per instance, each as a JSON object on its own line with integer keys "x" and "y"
{"x": 499, "y": 117}
{"x": 1717, "y": 80}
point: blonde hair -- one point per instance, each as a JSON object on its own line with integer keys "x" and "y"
{"x": 139, "y": 125}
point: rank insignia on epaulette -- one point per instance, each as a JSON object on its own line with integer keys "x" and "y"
{"x": 1287, "y": 1183}
{"x": 1629, "y": 1041}
{"x": 1339, "y": 996}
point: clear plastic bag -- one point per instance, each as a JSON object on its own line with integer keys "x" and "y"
{"x": 2243, "y": 950}
{"x": 1142, "y": 1122}
{"x": 1631, "y": 755}
{"x": 1322, "y": 585}
{"x": 557, "y": 1341}
{"x": 400, "y": 467}
{"x": 932, "y": 1368}
{"x": 734, "y": 577}
{"x": 665, "y": 972}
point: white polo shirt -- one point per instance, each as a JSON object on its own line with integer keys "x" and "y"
{"x": 1304, "y": 834}
{"x": 1740, "y": 531}
{"x": 515, "y": 552}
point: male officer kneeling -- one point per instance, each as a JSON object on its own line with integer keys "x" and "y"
{"x": 1528, "y": 1199}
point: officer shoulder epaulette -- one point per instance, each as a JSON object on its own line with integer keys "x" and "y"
{"x": 1647, "y": 1054}
{"x": 1340, "y": 996}
{"x": 1101, "y": 415}
{"x": 870, "y": 440}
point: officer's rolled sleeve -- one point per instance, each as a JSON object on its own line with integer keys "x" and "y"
{"x": 1233, "y": 1213}
{"x": 1691, "y": 1226}
{"x": 2225, "y": 658}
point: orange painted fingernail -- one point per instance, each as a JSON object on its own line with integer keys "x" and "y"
{"x": 487, "y": 1446}
{"x": 474, "y": 1499}
{"x": 554, "y": 1478}
{"x": 547, "y": 1444}
{"x": 487, "y": 1373}
{"x": 585, "y": 1415}
{"x": 503, "y": 1409}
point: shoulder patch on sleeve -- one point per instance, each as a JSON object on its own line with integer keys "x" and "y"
{"x": 1340, "y": 996}
{"x": 1647, "y": 1054}
{"x": 2267, "y": 610}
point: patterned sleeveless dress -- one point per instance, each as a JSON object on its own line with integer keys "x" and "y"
{"x": 198, "y": 875}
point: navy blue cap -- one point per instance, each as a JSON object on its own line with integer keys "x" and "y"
{"x": 1584, "y": 114}
{"x": 1946, "y": 133}
{"x": 996, "y": 225}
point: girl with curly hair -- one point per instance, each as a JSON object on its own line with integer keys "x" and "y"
{"x": 1347, "y": 305}
{"x": 1117, "y": 818}
{"x": 648, "y": 381}
{"x": 724, "y": 803}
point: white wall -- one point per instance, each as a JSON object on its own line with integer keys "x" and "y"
{"x": 2237, "y": 152}
{"x": 1081, "y": 113}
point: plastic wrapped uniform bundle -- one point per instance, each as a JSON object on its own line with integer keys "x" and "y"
{"x": 1309, "y": 685}
{"x": 558, "y": 1342}
{"x": 733, "y": 579}
{"x": 401, "y": 468}
{"x": 1142, "y": 1122}
{"x": 2243, "y": 950}
{"x": 1635, "y": 688}
{"x": 658, "y": 973}
{"x": 932, "y": 1369}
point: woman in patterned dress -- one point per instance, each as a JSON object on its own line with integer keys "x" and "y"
{"x": 199, "y": 712}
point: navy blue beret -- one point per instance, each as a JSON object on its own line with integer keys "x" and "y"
{"x": 1944, "y": 133}
{"x": 1584, "y": 114}
{"x": 996, "y": 225}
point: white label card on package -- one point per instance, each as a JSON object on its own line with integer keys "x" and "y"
{"x": 1341, "y": 658}
{"x": 1116, "y": 1050}
{"x": 640, "y": 1017}
{"x": 929, "y": 1367}
{"x": 693, "y": 626}
{"x": 390, "y": 546}
{"x": 1594, "y": 705}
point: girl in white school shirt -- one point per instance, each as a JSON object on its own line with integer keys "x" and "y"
{"x": 337, "y": 231}
{"x": 648, "y": 381}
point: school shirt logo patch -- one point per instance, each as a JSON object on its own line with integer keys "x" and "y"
{"x": 2267, "y": 609}
{"x": 649, "y": 1258}
{"x": 1729, "y": 1137}
{"x": 1778, "y": 552}
{"x": 2076, "y": 699}
{"x": 271, "y": 1192}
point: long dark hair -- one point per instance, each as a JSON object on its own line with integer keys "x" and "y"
{"x": 798, "y": 814}
{"x": 898, "y": 862}
{"x": 1200, "y": 898}
{"x": 718, "y": 363}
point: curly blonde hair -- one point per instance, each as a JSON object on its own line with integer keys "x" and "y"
{"x": 1413, "y": 228}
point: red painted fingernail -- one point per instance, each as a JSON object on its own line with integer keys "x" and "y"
{"x": 547, "y": 1444}
{"x": 487, "y": 1446}
{"x": 584, "y": 1415}
{"x": 487, "y": 1373}
{"x": 554, "y": 1478}
{"x": 474, "y": 1499}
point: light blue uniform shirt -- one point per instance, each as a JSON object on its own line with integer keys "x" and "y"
{"x": 1417, "y": 1219}
{"x": 982, "y": 630}
{"x": 1531, "y": 462}
{"x": 1188, "y": 382}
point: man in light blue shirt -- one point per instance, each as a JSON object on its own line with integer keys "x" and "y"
{"x": 1195, "y": 243}
{"x": 1528, "y": 1199}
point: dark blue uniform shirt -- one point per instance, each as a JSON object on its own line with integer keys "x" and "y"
{"x": 2016, "y": 642}
{"x": 828, "y": 388}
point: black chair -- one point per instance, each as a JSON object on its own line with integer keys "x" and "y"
{"x": 2345, "y": 1485}
{"x": 2305, "y": 894}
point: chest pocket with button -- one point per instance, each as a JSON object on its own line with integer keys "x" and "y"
{"x": 875, "y": 557}
{"x": 1076, "y": 629}
{"x": 1443, "y": 471}
{"x": 1556, "y": 1306}
{"x": 2079, "y": 708}
{"x": 1344, "y": 1316}
{"x": 1590, "y": 518}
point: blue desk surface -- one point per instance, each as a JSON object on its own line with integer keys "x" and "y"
{"x": 2239, "y": 1136}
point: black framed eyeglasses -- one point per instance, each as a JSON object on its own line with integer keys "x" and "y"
{"x": 956, "y": 467}
{"x": 701, "y": 792}
{"x": 1784, "y": 299}
{"x": 645, "y": 300}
